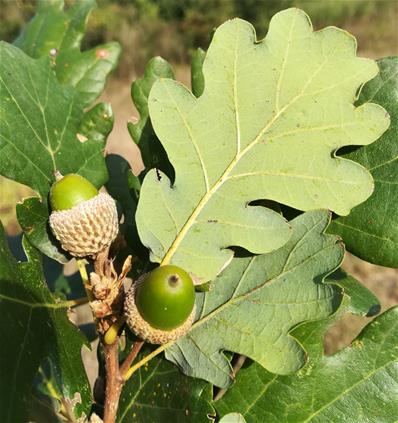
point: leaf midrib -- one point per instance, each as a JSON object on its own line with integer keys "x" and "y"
{"x": 47, "y": 148}
{"x": 249, "y": 293}
{"x": 337, "y": 222}
{"x": 64, "y": 304}
{"x": 131, "y": 403}
{"x": 225, "y": 176}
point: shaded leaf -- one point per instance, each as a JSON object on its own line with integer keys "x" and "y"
{"x": 45, "y": 399}
{"x": 271, "y": 116}
{"x": 43, "y": 409}
{"x": 97, "y": 123}
{"x": 158, "y": 392}
{"x": 362, "y": 301}
{"x": 124, "y": 187}
{"x": 35, "y": 326}
{"x": 69, "y": 286}
{"x": 152, "y": 151}
{"x": 257, "y": 300}
{"x": 357, "y": 384}
{"x": 118, "y": 186}
{"x": 58, "y": 34}
{"x": 197, "y": 77}
{"x": 371, "y": 230}
{"x": 33, "y": 215}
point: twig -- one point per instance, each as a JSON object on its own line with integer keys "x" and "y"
{"x": 131, "y": 357}
{"x": 105, "y": 292}
{"x": 76, "y": 302}
{"x": 114, "y": 382}
{"x": 239, "y": 361}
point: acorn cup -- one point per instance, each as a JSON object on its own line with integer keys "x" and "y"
{"x": 160, "y": 305}
{"x": 84, "y": 221}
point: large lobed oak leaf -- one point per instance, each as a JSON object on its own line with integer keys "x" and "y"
{"x": 267, "y": 126}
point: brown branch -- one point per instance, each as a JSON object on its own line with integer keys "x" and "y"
{"x": 131, "y": 357}
{"x": 238, "y": 363}
{"x": 114, "y": 382}
{"x": 107, "y": 289}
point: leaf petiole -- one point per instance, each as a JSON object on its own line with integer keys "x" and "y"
{"x": 81, "y": 265}
{"x": 131, "y": 357}
{"x": 76, "y": 302}
{"x": 145, "y": 360}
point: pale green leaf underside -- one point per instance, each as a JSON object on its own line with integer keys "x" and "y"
{"x": 233, "y": 418}
{"x": 257, "y": 300}
{"x": 267, "y": 125}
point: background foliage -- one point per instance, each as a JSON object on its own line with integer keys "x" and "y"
{"x": 172, "y": 28}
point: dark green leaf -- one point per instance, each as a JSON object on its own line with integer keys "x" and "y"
{"x": 35, "y": 326}
{"x": 42, "y": 409}
{"x": 57, "y": 34}
{"x": 124, "y": 187}
{"x": 40, "y": 120}
{"x": 197, "y": 78}
{"x": 45, "y": 400}
{"x": 120, "y": 175}
{"x": 256, "y": 302}
{"x": 363, "y": 302}
{"x": 39, "y": 125}
{"x": 371, "y": 229}
{"x": 358, "y": 384}
{"x": 152, "y": 151}
{"x": 158, "y": 392}
{"x": 69, "y": 286}
{"x": 33, "y": 215}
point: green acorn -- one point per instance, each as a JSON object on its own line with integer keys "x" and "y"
{"x": 160, "y": 305}
{"x": 83, "y": 220}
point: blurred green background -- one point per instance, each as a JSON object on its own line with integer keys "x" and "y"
{"x": 172, "y": 28}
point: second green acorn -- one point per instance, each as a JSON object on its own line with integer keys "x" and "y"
{"x": 160, "y": 306}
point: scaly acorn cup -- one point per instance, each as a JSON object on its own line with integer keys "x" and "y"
{"x": 160, "y": 305}
{"x": 84, "y": 221}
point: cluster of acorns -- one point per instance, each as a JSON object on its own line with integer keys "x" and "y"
{"x": 159, "y": 307}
